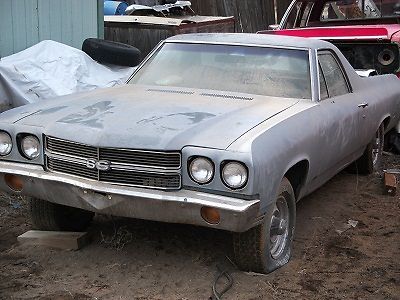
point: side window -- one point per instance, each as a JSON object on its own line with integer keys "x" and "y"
{"x": 334, "y": 77}
{"x": 322, "y": 85}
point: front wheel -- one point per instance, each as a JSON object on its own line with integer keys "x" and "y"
{"x": 267, "y": 246}
{"x": 50, "y": 216}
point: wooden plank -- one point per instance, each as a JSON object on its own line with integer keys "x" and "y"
{"x": 55, "y": 239}
{"x": 390, "y": 183}
{"x": 250, "y": 15}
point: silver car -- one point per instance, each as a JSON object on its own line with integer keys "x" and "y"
{"x": 220, "y": 130}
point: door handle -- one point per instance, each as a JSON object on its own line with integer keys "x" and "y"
{"x": 363, "y": 105}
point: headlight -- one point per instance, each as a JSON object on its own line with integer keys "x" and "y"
{"x": 234, "y": 175}
{"x": 201, "y": 170}
{"x": 30, "y": 146}
{"x": 5, "y": 143}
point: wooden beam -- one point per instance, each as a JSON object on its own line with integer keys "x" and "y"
{"x": 390, "y": 183}
{"x": 55, "y": 239}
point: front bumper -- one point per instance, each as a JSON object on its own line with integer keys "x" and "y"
{"x": 182, "y": 206}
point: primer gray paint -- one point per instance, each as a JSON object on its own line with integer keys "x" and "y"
{"x": 270, "y": 135}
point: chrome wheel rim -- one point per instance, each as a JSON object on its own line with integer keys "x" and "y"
{"x": 376, "y": 148}
{"x": 279, "y": 227}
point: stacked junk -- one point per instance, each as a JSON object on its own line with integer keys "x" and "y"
{"x": 156, "y": 8}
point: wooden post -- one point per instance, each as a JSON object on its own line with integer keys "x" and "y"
{"x": 390, "y": 183}
{"x": 55, "y": 239}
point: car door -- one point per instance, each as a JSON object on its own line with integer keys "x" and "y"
{"x": 338, "y": 119}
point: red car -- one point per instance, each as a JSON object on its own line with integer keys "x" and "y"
{"x": 366, "y": 31}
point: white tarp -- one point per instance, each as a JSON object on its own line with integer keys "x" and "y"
{"x": 50, "y": 69}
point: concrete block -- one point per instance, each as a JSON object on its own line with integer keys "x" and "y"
{"x": 55, "y": 239}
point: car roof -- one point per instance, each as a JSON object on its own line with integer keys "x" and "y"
{"x": 252, "y": 39}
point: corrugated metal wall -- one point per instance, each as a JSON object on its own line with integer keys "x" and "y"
{"x": 24, "y": 23}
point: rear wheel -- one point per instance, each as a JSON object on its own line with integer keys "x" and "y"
{"x": 267, "y": 246}
{"x": 55, "y": 217}
{"x": 371, "y": 160}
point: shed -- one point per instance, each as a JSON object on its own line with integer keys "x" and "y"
{"x": 24, "y": 23}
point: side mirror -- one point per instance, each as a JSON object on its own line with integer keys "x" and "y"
{"x": 273, "y": 27}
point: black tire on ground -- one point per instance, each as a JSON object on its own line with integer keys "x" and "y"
{"x": 254, "y": 249}
{"x": 371, "y": 160}
{"x": 55, "y": 217}
{"x": 392, "y": 141}
{"x": 113, "y": 53}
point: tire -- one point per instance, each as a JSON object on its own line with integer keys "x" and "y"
{"x": 55, "y": 217}
{"x": 257, "y": 249}
{"x": 113, "y": 53}
{"x": 371, "y": 161}
{"x": 392, "y": 142}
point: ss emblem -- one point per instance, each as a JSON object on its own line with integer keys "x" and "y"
{"x": 101, "y": 165}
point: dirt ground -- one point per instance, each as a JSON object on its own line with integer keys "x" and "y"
{"x": 132, "y": 259}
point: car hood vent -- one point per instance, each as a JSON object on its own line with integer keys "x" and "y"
{"x": 170, "y": 91}
{"x": 226, "y": 96}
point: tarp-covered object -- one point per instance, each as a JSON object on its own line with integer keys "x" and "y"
{"x": 50, "y": 69}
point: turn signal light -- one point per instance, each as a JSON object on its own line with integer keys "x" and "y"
{"x": 14, "y": 182}
{"x": 210, "y": 215}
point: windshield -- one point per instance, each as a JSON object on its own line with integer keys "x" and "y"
{"x": 359, "y": 9}
{"x": 252, "y": 70}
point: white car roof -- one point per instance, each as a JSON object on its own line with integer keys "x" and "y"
{"x": 252, "y": 39}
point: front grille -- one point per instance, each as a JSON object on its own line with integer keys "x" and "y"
{"x": 70, "y": 148}
{"x": 142, "y": 158}
{"x": 150, "y": 169}
{"x": 141, "y": 179}
{"x": 68, "y": 167}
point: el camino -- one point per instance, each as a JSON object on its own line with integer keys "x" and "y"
{"x": 226, "y": 131}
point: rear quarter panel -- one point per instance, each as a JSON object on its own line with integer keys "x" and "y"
{"x": 382, "y": 93}
{"x": 304, "y": 132}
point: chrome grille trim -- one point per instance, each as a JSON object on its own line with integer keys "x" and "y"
{"x": 145, "y": 170}
{"x": 56, "y": 145}
{"x": 161, "y": 181}
{"x": 153, "y": 159}
{"x": 67, "y": 167}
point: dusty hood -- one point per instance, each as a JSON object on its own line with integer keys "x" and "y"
{"x": 351, "y": 32}
{"x": 149, "y": 118}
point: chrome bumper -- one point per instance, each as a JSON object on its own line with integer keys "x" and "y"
{"x": 182, "y": 206}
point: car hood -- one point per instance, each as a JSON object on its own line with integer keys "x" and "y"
{"x": 151, "y": 118}
{"x": 351, "y": 32}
